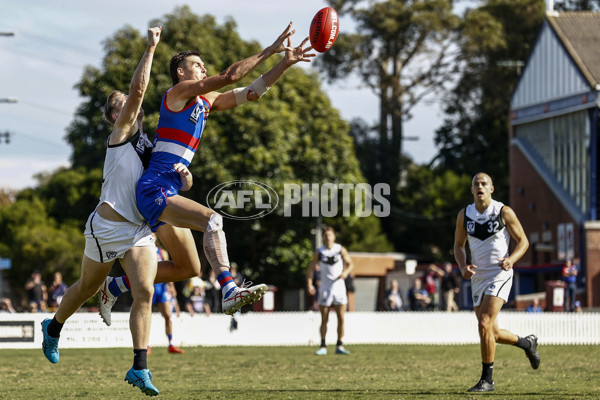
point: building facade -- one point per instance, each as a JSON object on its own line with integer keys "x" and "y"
{"x": 553, "y": 152}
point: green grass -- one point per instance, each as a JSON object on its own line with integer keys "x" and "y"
{"x": 370, "y": 372}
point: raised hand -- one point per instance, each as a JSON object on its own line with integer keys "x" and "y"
{"x": 154, "y": 36}
{"x": 278, "y": 46}
{"x": 297, "y": 54}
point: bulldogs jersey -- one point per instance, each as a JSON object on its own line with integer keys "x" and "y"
{"x": 488, "y": 237}
{"x": 123, "y": 166}
{"x": 331, "y": 263}
{"x": 178, "y": 135}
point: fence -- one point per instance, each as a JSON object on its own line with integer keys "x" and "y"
{"x": 86, "y": 330}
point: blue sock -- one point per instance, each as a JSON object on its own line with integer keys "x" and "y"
{"x": 119, "y": 285}
{"x": 226, "y": 282}
{"x": 170, "y": 339}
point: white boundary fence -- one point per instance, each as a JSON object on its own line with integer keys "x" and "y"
{"x": 86, "y": 330}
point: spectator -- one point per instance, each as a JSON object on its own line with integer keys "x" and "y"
{"x": 393, "y": 298}
{"x": 430, "y": 283}
{"x": 534, "y": 307}
{"x": 418, "y": 298}
{"x": 197, "y": 301}
{"x": 577, "y": 307}
{"x": 57, "y": 290}
{"x": 37, "y": 293}
{"x": 570, "y": 273}
{"x": 6, "y": 306}
{"x": 450, "y": 286}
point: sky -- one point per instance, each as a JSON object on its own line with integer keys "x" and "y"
{"x": 55, "y": 40}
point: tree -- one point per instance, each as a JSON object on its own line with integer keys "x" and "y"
{"x": 474, "y": 136}
{"x": 402, "y": 52}
{"x": 292, "y": 134}
{"x": 68, "y": 194}
{"x": 35, "y": 241}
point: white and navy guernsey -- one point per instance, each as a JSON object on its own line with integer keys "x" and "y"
{"x": 330, "y": 263}
{"x": 488, "y": 237}
{"x": 123, "y": 166}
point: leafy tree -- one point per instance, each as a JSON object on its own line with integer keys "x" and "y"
{"x": 35, "y": 241}
{"x": 430, "y": 200}
{"x": 402, "y": 52}
{"x": 474, "y": 135}
{"x": 293, "y": 134}
{"x": 69, "y": 195}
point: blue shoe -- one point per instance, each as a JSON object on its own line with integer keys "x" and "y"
{"x": 322, "y": 351}
{"x": 49, "y": 343}
{"x": 143, "y": 380}
{"x": 341, "y": 350}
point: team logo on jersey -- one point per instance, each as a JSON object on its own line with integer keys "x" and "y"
{"x": 330, "y": 260}
{"x": 111, "y": 254}
{"x": 470, "y": 227}
{"x": 159, "y": 200}
{"x": 196, "y": 113}
{"x": 475, "y": 298}
{"x": 492, "y": 287}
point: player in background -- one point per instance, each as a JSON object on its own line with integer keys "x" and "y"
{"x": 488, "y": 225}
{"x": 335, "y": 265}
{"x": 183, "y": 114}
{"x": 162, "y": 298}
{"x": 116, "y": 230}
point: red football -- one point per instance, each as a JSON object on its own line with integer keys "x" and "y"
{"x": 324, "y": 29}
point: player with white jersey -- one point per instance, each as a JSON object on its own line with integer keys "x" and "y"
{"x": 332, "y": 289}
{"x": 335, "y": 265}
{"x": 116, "y": 230}
{"x": 488, "y": 225}
{"x": 488, "y": 243}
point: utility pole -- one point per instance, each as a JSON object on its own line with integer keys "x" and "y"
{"x": 6, "y": 135}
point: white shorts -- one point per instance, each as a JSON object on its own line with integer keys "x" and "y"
{"x": 496, "y": 284}
{"x": 333, "y": 294}
{"x": 106, "y": 240}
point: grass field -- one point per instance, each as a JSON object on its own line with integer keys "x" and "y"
{"x": 370, "y": 372}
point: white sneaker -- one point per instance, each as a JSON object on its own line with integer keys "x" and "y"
{"x": 106, "y": 300}
{"x": 240, "y": 296}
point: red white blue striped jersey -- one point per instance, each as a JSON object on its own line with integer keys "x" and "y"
{"x": 178, "y": 135}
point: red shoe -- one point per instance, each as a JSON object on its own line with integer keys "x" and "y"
{"x": 148, "y": 350}
{"x": 175, "y": 350}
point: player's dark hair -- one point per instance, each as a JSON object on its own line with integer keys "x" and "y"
{"x": 109, "y": 107}
{"x": 176, "y": 60}
{"x": 328, "y": 228}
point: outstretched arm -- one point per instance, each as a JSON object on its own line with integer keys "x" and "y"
{"x": 137, "y": 89}
{"x": 259, "y": 87}
{"x": 188, "y": 89}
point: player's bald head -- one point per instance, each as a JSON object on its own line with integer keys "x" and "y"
{"x": 482, "y": 175}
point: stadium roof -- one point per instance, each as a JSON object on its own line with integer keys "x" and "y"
{"x": 579, "y": 31}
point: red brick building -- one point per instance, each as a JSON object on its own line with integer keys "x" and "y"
{"x": 554, "y": 148}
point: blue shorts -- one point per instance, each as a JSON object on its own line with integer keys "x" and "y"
{"x": 160, "y": 293}
{"x": 153, "y": 191}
